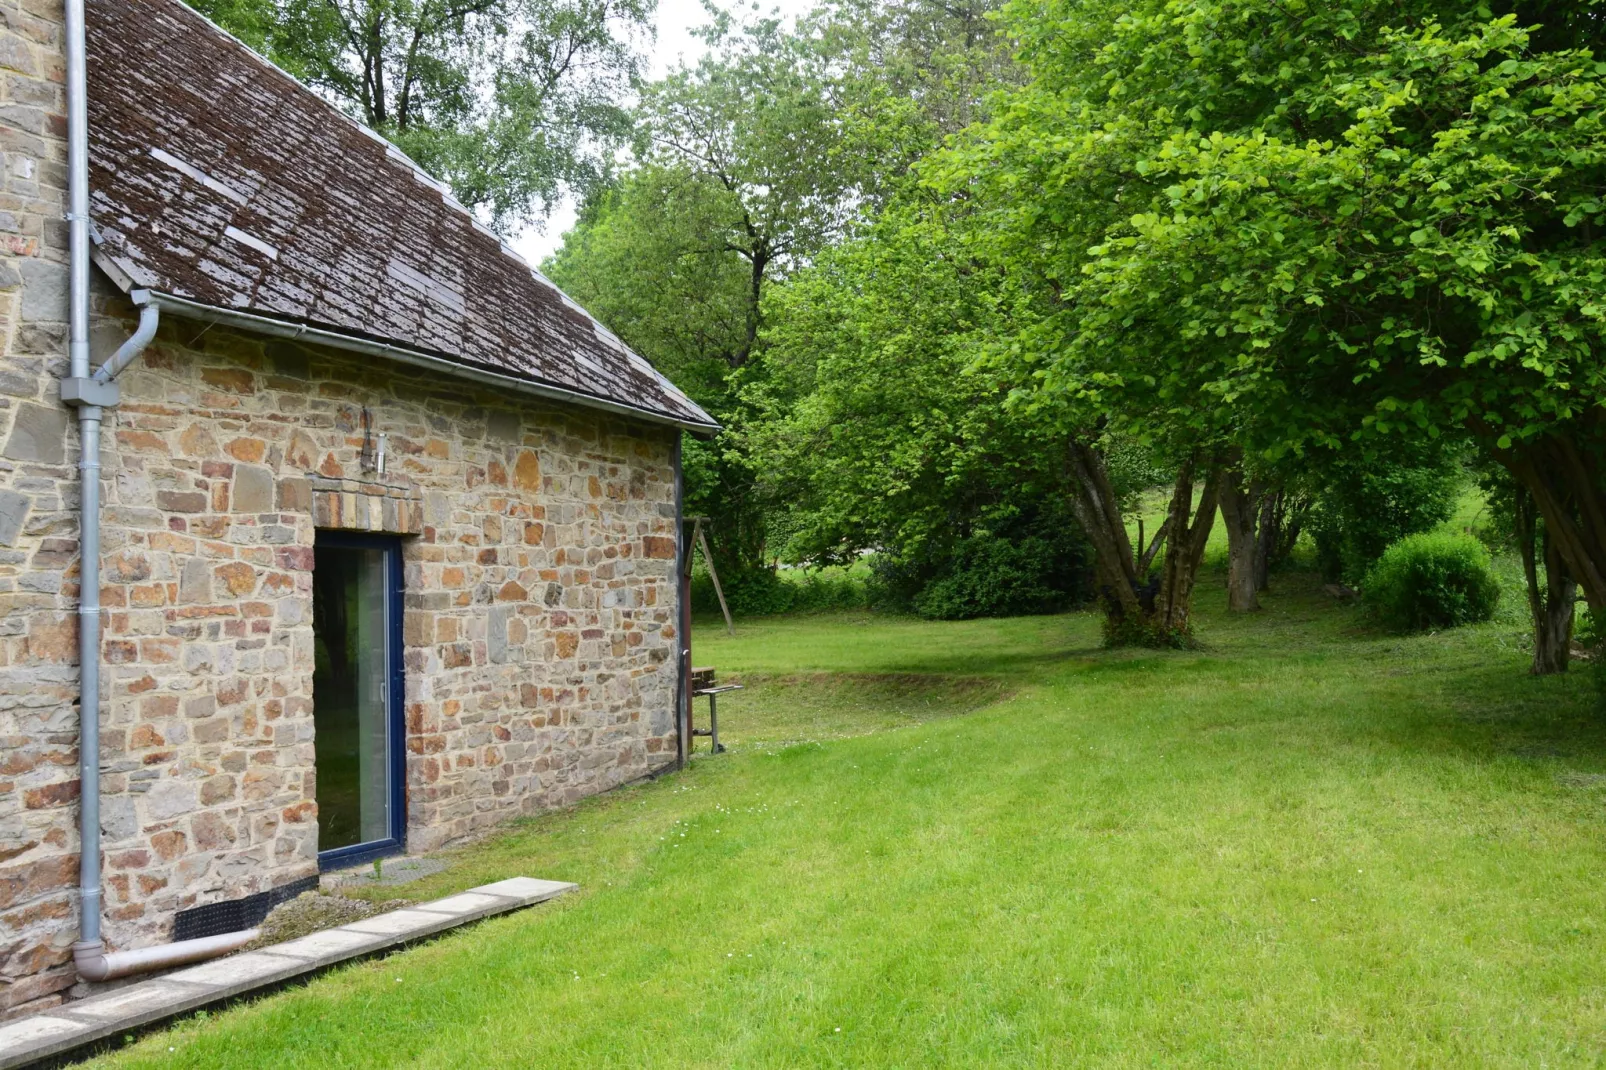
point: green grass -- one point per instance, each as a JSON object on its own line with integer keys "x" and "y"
{"x": 1306, "y": 844}
{"x": 781, "y": 708}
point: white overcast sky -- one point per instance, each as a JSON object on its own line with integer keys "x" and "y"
{"x": 676, "y": 19}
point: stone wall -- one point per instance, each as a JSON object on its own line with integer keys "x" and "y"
{"x": 539, "y": 545}
{"x": 538, "y": 631}
{"x": 38, "y": 521}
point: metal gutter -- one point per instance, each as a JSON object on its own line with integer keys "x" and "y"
{"x": 259, "y": 324}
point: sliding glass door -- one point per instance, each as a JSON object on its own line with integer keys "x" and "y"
{"x": 356, "y": 696}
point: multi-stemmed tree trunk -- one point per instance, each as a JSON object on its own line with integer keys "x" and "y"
{"x": 1185, "y": 542}
{"x": 1564, "y": 474}
{"x": 1263, "y": 523}
{"x": 1552, "y": 604}
{"x": 1282, "y": 518}
{"x": 1138, "y": 610}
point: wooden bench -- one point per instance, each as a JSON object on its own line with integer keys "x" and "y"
{"x": 703, "y": 682}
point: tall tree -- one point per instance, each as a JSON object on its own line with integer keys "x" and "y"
{"x": 772, "y": 149}
{"x": 879, "y": 429}
{"x": 752, "y": 131}
{"x": 1346, "y": 223}
{"x": 511, "y": 102}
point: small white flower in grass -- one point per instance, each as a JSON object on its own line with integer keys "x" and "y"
{"x": 839, "y": 1029}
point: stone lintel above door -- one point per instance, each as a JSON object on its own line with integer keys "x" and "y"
{"x": 363, "y": 505}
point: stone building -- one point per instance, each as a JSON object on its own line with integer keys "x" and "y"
{"x": 389, "y": 533}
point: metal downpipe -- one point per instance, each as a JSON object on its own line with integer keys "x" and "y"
{"x": 89, "y": 419}
{"x": 103, "y": 967}
{"x": 90, "y": 396}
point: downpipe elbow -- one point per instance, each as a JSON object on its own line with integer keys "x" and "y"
{"x": 89, "y": 959}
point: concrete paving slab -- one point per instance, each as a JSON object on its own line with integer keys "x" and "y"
{"x": 527, "y": 888}
{"x": 251, "y": 966}
{"x": 329, "y": 942}
{"x": 78, "y": 1025}
{"x": 21, "y": 1038}
{"x": 149, "y": 995}
{"x": 462, "y": 904}
{"x": 395, "y": 923}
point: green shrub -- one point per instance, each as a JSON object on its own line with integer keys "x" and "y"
{"x": 984, "y": 575}
{"x": 754, "y": 592}
{"x": 1589, "y": 633}
{"x": 1022, "y": 561}
{"x": 763, "y": 592}
{"x": 1432, "y": 581}
{"x": 821, "y": 590}
{"x": 992, "y": 578}
{"x": 1363, "y": 507}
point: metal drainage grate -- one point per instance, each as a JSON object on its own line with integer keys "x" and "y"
{"x": 215, "y": 919}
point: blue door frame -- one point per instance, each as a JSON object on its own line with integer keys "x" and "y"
{"x": 395, "y": 588}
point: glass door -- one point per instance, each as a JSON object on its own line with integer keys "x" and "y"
{"x": 356, "y": 696}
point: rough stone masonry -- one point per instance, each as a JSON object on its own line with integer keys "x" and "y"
{"x": 539, "y": 543}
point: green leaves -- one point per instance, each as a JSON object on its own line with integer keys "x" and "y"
{"x": 1302, "y": 215}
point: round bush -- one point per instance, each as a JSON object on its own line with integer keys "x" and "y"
{"x": 991, "y": 577}
{"x": 1432, "y": 581}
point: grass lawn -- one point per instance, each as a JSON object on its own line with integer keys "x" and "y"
{"x": 993, "y": 844}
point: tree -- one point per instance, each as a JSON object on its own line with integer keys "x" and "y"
{"x": 1552, "y": 593}
{"x": 648, "y": 259}
{"x": 508, "y": 101}
{"x": 1243, "y": 511}
{"x": 750, "y": 164}
{"x": 881, "y": 430}
{"x": 1553, "y": 603}
{"x": 1345, "y": 225}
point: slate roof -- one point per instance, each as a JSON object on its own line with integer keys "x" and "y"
{"x": 217, "y": 178}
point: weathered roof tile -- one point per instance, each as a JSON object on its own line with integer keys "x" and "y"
{"x": 218, "y": 179}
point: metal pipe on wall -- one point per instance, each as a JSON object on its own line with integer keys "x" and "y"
{"x": 89, "y": 419}
{"x": 91, "y": 395}
{"x": 683, "y": 613}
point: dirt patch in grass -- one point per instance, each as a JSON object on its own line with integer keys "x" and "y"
{"x": 803, "y": 707}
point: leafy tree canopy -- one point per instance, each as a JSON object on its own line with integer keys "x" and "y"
{"x": 1328, "y": 222}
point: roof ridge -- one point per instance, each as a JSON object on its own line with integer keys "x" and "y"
{"x": 554, "y": 337}
{"x": 396, "y": 153}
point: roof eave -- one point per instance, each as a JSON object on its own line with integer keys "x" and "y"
{"x": 249, "y": 321}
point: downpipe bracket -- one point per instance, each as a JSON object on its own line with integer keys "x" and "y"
{"x": 86, "y": 391}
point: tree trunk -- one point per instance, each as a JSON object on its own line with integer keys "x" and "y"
{"x": 1553, "y": 606}
{"x": 1138, "y": 612}
{"x": 1242, "y": 511}
{"x": 1184, "y": 553}
{"x": 1266, "y": 537}
{"x": 1094, "y": 502}
{"x": 1568, "y": 490}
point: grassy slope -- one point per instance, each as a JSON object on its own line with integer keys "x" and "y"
{"x": 1303, "y": 845}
